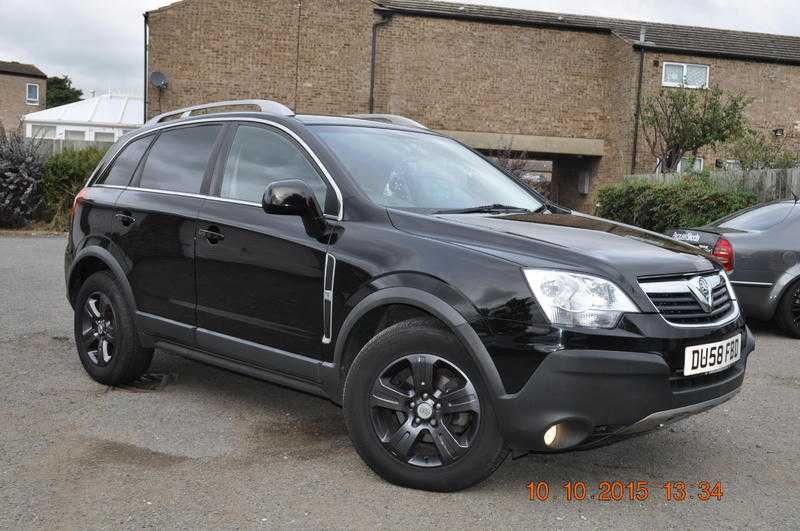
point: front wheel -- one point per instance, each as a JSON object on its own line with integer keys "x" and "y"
{"x": 418, "y": 412}
{"x": 788, "y": 313}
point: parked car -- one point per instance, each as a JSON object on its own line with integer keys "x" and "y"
{"x": 451, "y": 311}
{"x": 760, "y": 249}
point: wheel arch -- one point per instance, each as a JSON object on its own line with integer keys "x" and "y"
{"x": 90, "y": 260}
{"x": 780, "y": 288}
{"x": 406, "y": 302}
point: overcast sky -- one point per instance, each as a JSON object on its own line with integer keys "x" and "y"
{"x": 98, "y": 43}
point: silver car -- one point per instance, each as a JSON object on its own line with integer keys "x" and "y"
{"x": 760, "y": 249}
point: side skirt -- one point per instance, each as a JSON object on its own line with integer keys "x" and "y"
{"x": 242, "y": 368}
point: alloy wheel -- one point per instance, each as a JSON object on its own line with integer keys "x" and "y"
{"x": 425, "y": 410}
{"x": 795, "y": 308}
{"x": 98, "y": 329}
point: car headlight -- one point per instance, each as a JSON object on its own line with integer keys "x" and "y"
{"x": 574, "y": 299}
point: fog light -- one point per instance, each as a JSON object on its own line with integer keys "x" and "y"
{"x": 550, "y": 435}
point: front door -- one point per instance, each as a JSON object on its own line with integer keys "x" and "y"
{"x": 260, "y": 276}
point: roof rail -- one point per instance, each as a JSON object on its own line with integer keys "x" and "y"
{"x": 395, "y": 119}
{"x": 268, "y": 106}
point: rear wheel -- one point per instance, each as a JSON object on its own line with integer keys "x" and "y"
{"x": 418, "y": 412}
{"x": 105, "y": 333}
{"x": 788, "y": 313}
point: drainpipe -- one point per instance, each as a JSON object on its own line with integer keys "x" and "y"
{"x": 641, "y": 43}
{"x": 385, "y": 19}
{"x": 144, "y": 101}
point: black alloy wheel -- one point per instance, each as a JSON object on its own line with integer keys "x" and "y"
{"x": 98, "y": 325}
{"x": 425, "y": 410}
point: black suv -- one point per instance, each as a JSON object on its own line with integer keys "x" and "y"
{"x": 453, "y": 312}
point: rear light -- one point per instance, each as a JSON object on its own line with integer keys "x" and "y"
{"x": 78, "y": 200}
{"x": 723, "y": 252}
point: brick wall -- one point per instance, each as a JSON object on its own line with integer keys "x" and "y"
{"x": 12, "y": 99}
{"x": 774, "y": 89}
{"x": 314, "y": 55}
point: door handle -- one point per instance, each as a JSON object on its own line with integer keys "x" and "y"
{"x": 126, "y": 219}
{"x": 212, "y": 234}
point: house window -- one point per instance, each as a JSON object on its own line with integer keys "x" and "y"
{"x": 685, "y": 163}
{"x": 72, "y": 134}
{"x": 32, "y": 94}
{"x": 684, "y": 75}
{"x": 104, "y": 137}
{"x": 43, "y": 131}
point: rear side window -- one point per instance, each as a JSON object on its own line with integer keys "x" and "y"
{"x": 126, "y": 162}
{"x": 759, "y": 218}
{"x": 259, "y": 156}
{"x": 178, "y": 160}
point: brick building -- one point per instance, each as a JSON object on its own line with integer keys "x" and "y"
{"x": 22, "y": 90}
{"x": 563, "y": 88}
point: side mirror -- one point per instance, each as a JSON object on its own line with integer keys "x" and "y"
{"x": 293, "y": 197}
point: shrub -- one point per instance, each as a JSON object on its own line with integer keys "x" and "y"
{"x": 688, "y": 202}
{"x": 64, "y": 176}
{"x": 20, "y": 180}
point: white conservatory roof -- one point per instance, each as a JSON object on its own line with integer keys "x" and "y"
{"x": 108, "y": 110}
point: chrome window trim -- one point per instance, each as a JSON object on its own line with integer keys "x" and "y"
{"x": 748, "y": 283}
{"x": 169, "y": 125}
{"x": 682, "y": 286}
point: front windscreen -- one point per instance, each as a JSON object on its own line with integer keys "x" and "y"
{"x": 418, "y": 170}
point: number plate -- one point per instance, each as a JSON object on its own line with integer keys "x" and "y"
{"x": 712, "y": 357}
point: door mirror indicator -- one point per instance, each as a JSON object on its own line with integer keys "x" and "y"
{"x": 293, "y": 197}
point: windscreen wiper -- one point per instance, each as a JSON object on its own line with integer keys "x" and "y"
{"x": 484, "y": 209}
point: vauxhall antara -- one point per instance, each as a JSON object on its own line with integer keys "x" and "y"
{"x": 452, "y": 312}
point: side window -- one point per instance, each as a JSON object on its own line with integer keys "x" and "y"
{"x": 126, "y": 162}
{"x": 259, "y": 156}
{"x": 178, "y": 159}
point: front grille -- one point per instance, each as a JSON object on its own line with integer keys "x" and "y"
{"x": 675, "y": 301}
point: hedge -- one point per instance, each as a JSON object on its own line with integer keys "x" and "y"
{"x": 64, "y": 175}
{"x": 688, "y": 202}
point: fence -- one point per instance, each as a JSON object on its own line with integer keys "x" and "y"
{"x": 768, "y": 184}
{"x": 49, "y": 147}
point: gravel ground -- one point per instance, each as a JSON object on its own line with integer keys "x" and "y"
{"x": 214, "y": 449}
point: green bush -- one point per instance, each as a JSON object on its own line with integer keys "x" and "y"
{"x": 688, "y": 202}
{"x": 64, "y": 176}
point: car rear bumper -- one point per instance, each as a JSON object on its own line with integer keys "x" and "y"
{"x": 599, "y": 396}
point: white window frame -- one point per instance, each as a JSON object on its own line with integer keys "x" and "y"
{"x": 29, "y": 101}
{"x": 681, "y": 169}
{"x": 666, "y": 83}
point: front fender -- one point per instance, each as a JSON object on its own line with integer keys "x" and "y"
{"x": 425, "y": 301}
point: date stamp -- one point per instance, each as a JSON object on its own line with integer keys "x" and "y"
{"x": 620, "y": 491}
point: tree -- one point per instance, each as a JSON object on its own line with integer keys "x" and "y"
{"x": 754, "y": 150}
{"x": 60, "y": 91}
{"x": 678, "y": 121}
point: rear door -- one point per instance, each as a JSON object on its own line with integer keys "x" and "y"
{"x": 154, "y": 227}
{"x": 260, "y": 276}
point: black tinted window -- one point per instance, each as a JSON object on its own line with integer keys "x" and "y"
{"x": 759, "y": 218}
{"x": 125, "y": 164}
{"x": 178, "y": 159}
{"x": 259, "y": 156}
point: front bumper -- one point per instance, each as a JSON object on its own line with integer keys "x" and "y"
{"x": 599, "y": 396}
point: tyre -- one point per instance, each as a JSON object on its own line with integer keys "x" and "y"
{"x": 105, "y": 333}
{"x": 418, "y": 412}
{"x": 788, "y": 312}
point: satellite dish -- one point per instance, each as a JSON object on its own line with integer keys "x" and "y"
{"x": 158, "y": 80}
